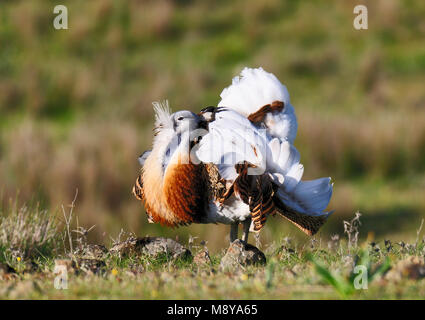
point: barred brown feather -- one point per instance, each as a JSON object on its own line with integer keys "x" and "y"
{"x": 257, "y": 192}
{"x": 138, "y": 188}
{"x": 217, "y": 187}
{"x": 261, "y": 204}
{"x": 308, "y": 224}
{"x": 139, "y": 194}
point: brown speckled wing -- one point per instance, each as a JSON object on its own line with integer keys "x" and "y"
{"x": 138, "y": 188}
{"x": 256, "y": 191}
{"x": 261, "y": 202}
{"x": 217, "y": 187}
{"x": 138, "y": 193}
{"x": 308, "y": 224}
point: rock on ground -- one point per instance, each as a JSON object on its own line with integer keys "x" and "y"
{"x": 5, "y": 268}
{"x": 241, "y": 253}
{"x": 92, "y": 251}
{"x": 151, "y": 246}
{"x": 6, "y": 271}
{"x": 411, "y": 268}
{"x": 91, "y": 266}
{"x": 78, "y": 265}
{"x": 202, "y": 258}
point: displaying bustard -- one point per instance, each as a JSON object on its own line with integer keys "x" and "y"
{"x": 234, "y": 163}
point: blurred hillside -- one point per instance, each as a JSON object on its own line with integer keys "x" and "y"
{"x": 75, "y": 105}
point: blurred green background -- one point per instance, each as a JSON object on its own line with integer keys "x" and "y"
{"x": 75, "y": 105}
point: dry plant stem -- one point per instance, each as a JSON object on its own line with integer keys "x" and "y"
{"x": 352, "y": 230}
{"x": 418, "y": 233}
{"x": 69, "y": 219}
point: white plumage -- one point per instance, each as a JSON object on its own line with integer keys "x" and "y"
{"x": 233, "y": 136}
{"x": 255, "y": 88}
{"x": 254, "y": 125}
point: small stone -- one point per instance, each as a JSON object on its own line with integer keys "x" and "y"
{"x": 151, "y": 246}
{"x": 297, "y": 269}
{"x": 411, "y": 268}
{"x": 241, "y": 253}
{"x": 202, "y": 258}
{"x": 6, "y": 271}
{"x": 5, "y": 268}
{"x": 91, "y": 266}
{"x": 93, "y": 251}
{"x": 290, "y": 274}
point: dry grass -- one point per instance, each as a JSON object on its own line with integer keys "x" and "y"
{"x": 75, "y": 106}
{"x": 323, "y": 268}
{"x": 386, "y": 144}
{"x": 100, "y": 160}
{"x": 27, "y": 233}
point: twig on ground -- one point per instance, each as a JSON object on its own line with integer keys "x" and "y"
{"x": 351, "y": 228}
{"x": 418, "y": 232}
{"x": 68, "y": 220}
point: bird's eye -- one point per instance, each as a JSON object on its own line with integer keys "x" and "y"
{"x": 180, "y": 118}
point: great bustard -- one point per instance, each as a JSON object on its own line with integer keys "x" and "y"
{"x": 234, "y": 163}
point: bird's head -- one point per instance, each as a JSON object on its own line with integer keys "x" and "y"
{"x": 185, "y": 121}
{"x": 177, "y": 122}
{"x": 173, "y": 130}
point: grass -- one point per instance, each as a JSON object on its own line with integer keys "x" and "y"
{"x": 319, "y": 269}
{"x": 27, "y": 233}
{"x": 75, "y": 105}
{"x": 288, "y": 275}
{"x": 75, "y": 112}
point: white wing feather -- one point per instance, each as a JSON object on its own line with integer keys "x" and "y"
{"x": 232, "y": 138}
{"x": 255, "y": 88}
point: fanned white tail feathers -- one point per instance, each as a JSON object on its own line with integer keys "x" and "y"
{"x": 233, "y": 138}
{"x": 306, "y": 197}
{"x": 255, "y": 88}
{"x": 251, "y": 90}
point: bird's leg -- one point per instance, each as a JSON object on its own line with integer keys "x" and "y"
{"x": 246, "y": 225}
{"x": 233, "y": 231}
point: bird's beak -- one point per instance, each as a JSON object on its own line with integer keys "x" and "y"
{"x": 203, "y": 124}
{"x": 206, "y": 115}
